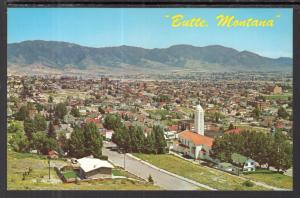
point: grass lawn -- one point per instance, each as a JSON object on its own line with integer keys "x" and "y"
{"x": 69, "y": 174}
{"x": 272, "y": 178}
{"x": 18, "y": 163}
{"x": 201, "y": 174}
{"x": 117, "y": 172}
{"x": 169, "y": 122}
{"x": 64, "y": 93}
{"x": 186, "y": 110}
{"x": 253, "y": 128}
{"x": 284, "y": 96}
{"x": 164, "y": 113}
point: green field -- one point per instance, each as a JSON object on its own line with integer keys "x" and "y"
{"x": 62, "y": 95}
{"x": 18, "y": 163}
{"x": 278, "y": 96}
{"x": 253, "y": 128}
{"x": 186, "y": 110}
{"x": 211, "y": 177}
{"x": 164, "y": 114}
{"x": 272, "y": 178}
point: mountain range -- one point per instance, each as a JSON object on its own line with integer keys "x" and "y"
{"x": 52, "y": 56}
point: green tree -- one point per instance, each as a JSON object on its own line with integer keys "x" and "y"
{"x": 256, "y": 112}
{"x": 42, "y": 143}
{"x": 19, "y": 142}
{"x": 77, "y": 143}
{"x": 60, "y": 110}
{"x": 121, "y": 138}
{"x": 29, "y": 127}
{"x": 56, "y": 121}
{"x": 150, "y": 144}
{"x": 230, "y": 126}
{"x": 33, "y": 125}
{"x": 75, "y": 112}
{"x": 39, "y": 107}
{"x": 160, "y": 141}
{"x": 112, "y": 122}
{"x": 101, "y": 110}
{"x": 15, "y": 127}
{"x": 40, "y": 123}
{"x": 22, "y": 114}
{"x": 50, "y": 99}
{"x": 281, "y": 155}
{"x": 93, "y": 140}
{"x": 263, "y": 148}
{"x": 86, "y": 141}
{"x": 51, "y": 130}
{"x": 282, "y": 113}
{"x": 63, "y": 142}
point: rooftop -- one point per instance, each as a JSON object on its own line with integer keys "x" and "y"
{"x": 88, "y": 164}
{"x": 196, "y": 138}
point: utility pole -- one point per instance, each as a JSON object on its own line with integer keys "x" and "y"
{"x": 124, "y": 160}
{"x": 49, "y": 167}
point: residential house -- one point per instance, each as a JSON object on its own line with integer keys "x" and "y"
{"x": 247, "y": 164}
{"x": 93, "y": 168}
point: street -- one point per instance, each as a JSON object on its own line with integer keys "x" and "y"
{"x": 164, "y": 180}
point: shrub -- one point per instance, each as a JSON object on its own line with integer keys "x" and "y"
{"x": 248, "y": 183}
{"x": 103, "y": 157}
{"x": 150, "y": 179}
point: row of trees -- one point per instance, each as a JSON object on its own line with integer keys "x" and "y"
{"x": 132, "y": 139}
{"x": 59, "y": 111}
{"x": 85, "y": 141}
{"x": 266, "y": 149}
{"x": 33, "y": 134}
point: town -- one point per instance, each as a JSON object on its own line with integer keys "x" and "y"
{"x": 180, "y": 131}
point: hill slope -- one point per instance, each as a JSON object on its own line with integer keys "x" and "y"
{"x": 58, "y": 56}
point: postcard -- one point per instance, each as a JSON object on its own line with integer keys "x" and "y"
{"x": 194, "y": 99}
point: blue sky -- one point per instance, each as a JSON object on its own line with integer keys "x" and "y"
{"x": 149, "y": 28}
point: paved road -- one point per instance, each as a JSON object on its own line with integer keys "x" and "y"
{"x": 142, "y": 170}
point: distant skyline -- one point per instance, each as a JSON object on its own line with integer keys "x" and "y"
{"x": 149, "y": 28}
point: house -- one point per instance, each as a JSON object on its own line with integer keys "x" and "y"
{"x": 275, "y": 89}
{"x": 53, "y": 154}
{"x": 93, "y": 168}
{"x": 194, "y": 145}
{"x": 107, "y": 134}
{"x": 247, "y": 164}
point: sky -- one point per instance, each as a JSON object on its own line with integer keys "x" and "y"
{"x": 149, "y": 28}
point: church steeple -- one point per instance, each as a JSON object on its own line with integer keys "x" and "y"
{"x": 199, "y": 119}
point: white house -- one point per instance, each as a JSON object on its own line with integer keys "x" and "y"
{"x": 93, "y": 168}
{"x": 247, "y": 164}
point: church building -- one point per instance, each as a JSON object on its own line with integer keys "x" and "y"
{"x": 194, "y": 143}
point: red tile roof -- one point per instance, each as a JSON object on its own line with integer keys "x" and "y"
{"x": 196, "y": 138}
